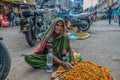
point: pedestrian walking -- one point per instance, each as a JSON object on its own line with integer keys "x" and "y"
{"x": 11, "y": 17}
{"x": 115, "y": 15}
{"x": 95, "y": 15}
{"x": 118, "y": 13}
{"x": 109, "y": 15}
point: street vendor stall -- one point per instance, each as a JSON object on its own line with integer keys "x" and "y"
{"x": 13, "y": 0}
{"x": 75, "y": 34}
{"x": 83, "y": 70}
{"x": 3, "y": 19}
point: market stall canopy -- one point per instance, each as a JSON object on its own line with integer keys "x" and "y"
{"x": 24, "y": 1}
{"x": 31, "y": 2}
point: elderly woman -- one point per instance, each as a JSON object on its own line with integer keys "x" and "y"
{"x": 56, "y": 41}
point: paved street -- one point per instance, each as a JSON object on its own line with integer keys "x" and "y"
{"x": 102, "y": 47}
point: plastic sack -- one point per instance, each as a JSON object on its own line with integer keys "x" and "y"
{"x": 72, "y": 36}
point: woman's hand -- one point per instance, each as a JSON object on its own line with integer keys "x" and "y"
{"x": 73, "y": 62}
{"x": 67, "y": 66}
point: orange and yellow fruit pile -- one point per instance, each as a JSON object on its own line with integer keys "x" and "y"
{"x": 85, "y": 70}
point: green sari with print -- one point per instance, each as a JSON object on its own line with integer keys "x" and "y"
{"x": 60, "y": 44}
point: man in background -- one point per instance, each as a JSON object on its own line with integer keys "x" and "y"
{"x": 118, "y": 13}
{"x": 109, "y": 15}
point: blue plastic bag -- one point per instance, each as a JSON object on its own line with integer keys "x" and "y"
{"x": 72, "y": 36}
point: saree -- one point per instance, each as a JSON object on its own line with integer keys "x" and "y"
{"x": 60, "y": 45}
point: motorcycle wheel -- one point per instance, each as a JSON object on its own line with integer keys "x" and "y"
{"x": 30, "y": 38}
{"x": 84, "y": 25}
{"x": 5, "y": 61}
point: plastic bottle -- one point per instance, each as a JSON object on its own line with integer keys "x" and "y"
{"x": 49, "y": 63}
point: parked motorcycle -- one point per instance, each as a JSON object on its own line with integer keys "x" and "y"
{"x": 32, "y": 25}
{"x": 81, "y": 20}
{"x": 5, "y": 61}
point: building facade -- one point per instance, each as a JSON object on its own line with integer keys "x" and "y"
{"x": 64, "y": 3}
{"x": 103, "y": 5}
{"x": 60, "y": 3}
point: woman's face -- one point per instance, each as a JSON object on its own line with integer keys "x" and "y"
{"x": 59, "y": 27}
